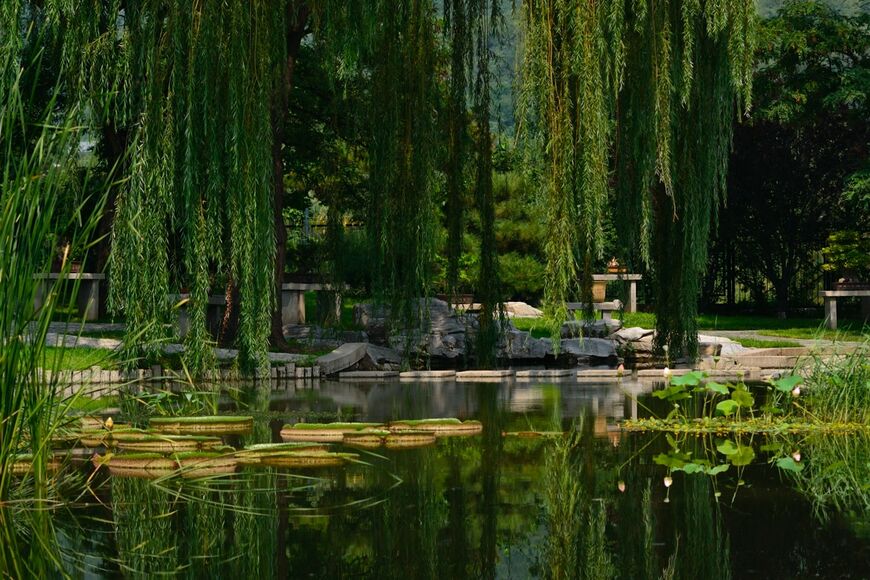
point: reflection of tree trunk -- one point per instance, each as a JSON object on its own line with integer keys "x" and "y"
{"x": 297, "y": 21}
{"x": 490, "y": 463}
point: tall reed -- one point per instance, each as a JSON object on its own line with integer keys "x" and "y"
{"x": 838, "y": 386}
{"x": 39, "y": 150}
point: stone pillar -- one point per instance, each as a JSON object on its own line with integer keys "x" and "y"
{"x": 831, "y": 312}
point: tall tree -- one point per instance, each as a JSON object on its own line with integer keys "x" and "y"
{"x": 646, "y": 89}
{"x": 800, "y": 166}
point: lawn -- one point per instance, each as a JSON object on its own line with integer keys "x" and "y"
{"x": 801, "y": 328}
{"x": 77, "y": 359}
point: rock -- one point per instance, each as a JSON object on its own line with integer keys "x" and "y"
{"x": 519, "y": 345}
{"x": 590, "y": 328}
{"x": 589, "y": 347}
{"x": 342, "y": 358}
{"x": 445, "y": 336}
{"x": 632, "y": 334}
{"x": 379, "y": 358}
{"x": 521, "y": 310}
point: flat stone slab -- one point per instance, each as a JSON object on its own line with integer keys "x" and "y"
{"x": 763, "y": 362}
{"x": 659, "y": 373}
{"x": 586, "y": 373}
{"x": 484, "y": 375}
{"x": 427, "y": 375}
{"x": 545, "y": 373}
{"x": 367, "y": 375}
{"x": 343, "y": 357}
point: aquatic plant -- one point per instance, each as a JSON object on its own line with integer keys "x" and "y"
{"x": 838, "y": 387}
{"x": 724, "y": 406}
{"x": 223, "y": 425}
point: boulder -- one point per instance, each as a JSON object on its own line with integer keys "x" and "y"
{"x": 379, "y": 358}
{"x": 521, "y": 310}
{"x": 519, "y": 345}
{"x": 632, "y": 334}
{"x": 344, "y": 357}
{"x": 589, "y": 347}
{"x": 590, "y": 328}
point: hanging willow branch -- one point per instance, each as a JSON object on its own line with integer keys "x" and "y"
{"x": 472, "y": 26}
{"x": 647, "y": 90}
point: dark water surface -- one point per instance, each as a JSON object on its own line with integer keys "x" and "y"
{"x": 497, "y": 505}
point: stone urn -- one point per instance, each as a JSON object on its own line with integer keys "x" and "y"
{"x": 599, "y": 290}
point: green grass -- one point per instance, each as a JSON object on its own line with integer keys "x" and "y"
{"x": 78, "y": 359}
{"x": 347, "y": 304}
{"x": 756, "y": 343}
{"x": 802, "y": 328}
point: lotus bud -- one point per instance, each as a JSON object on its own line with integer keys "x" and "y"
{"x": 668, "y": 481}
{"x": 620, "y": 369}
{"x": 796, "y": 456}
{"x": 621, "y": 486}
{"x": 796, "y": 392}
{"x": 666, "y": 372}
{"x": 109, "y": 424}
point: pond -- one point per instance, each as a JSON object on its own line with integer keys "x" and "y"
{"x": 515, "y": 501}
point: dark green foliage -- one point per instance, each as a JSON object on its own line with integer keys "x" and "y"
{"x": 636, "y": 87}
{"x": 799, "y": 165}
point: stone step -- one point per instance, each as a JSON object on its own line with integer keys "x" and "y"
{"x": 545, "y": 374}
{"x": 367, "y": 375}
{"x": 427, "y": 375}
{"x": 757, "y": 361}
{"x": 484, "y": 376}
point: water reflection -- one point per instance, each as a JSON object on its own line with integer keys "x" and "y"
{"x": 503, "y": 504}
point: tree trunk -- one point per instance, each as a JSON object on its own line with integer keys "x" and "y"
{"x": 297, "y": 29}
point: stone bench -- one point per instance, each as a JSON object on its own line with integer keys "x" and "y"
{"x": 830, "y": 298}
{"x": 293, "y": 301}
{"x": 632, "y": 280}
{"x": 87, "y": 299}
{"x": 605, "y": 308}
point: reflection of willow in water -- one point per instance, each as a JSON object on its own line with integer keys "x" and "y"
{"x": 146, "y": 540}
{"x": 576, "y": 542}
{"x": 255, "y": 524}
{"x": 582, "y": 544}
{"x": 701, "y": 546}
{"x": 836, "y": 478}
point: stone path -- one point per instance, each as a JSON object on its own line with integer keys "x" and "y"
{"x": 758, "y": 335}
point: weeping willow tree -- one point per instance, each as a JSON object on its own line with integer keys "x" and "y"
{"x": 635, "y": 101}
{"x": 403, "y": 155}
{"x": 472, "y": 27}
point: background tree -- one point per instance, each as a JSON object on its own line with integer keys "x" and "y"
{"x": 798, "y": 167}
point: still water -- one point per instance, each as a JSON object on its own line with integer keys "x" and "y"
{"x": 503, "y": 504}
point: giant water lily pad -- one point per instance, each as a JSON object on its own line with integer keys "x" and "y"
{"x": 366, "y": 438}
{"x": 306, "y": 459}
{"x": 409, "y": 439}
{"x": 323, "y": 432}
{"x": 141, "y": 465}
{"x": 254, "y": 454}
{"x": 165, "y": 443}
{"x": 224, "y": 425}
{"x": 200, "y": 464}
{"x": 441, "y": 427}
{"x": 22, "y": 464}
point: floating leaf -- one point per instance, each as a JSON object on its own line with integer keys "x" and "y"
{"x": 691, "y": 379}
{"x": 743, "y": 398}
{"x": 718, "y": 469}
{"x": 786, "y": 384}
{"x": 727, "y": 447}
{"x": 718, "y": 388}
{"x": 727, "y": 407}
{"x": 789, "y": 464}
{"x": 744, "y": 456}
